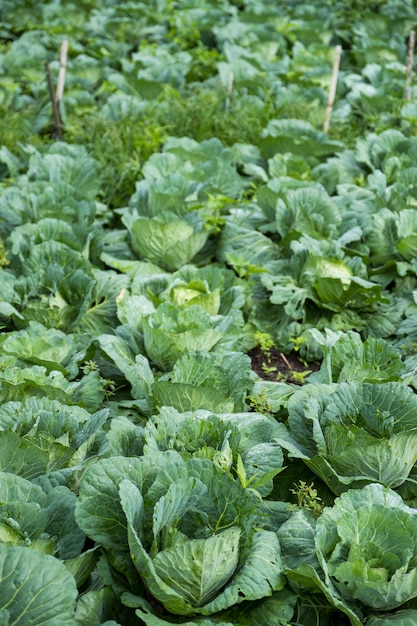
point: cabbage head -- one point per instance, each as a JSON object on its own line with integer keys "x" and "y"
{"x": 367, "y": 547}
{"x": 352, "y": 434}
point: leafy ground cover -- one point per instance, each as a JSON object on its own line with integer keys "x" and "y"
{"x": 208, "y": 310}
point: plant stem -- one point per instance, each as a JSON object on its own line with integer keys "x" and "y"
{"x": 332, "y": 90}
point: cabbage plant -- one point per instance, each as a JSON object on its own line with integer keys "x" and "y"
{"x": 351, "y": 434}
{"x": 361, "y": 554}
{"x": 169, "y": 333}
{"x": 367, "y": 547}
{"x": 198, "y": 540}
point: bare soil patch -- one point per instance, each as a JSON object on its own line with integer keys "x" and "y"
{"x": 276, "y": 366}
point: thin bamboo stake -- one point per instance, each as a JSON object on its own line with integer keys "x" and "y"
{"x": 410, "y": 62}
{"x": 57, "y": 119}
{"x": 332, "y": 90}
{"x": 62, "y": 69}
{"x": 229, "y": 89}
{"x": 286, "y": 361}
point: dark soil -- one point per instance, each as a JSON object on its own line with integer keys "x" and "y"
{"x": 276, "y": 366}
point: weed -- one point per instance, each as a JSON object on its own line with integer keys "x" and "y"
{"x": 3, "y": 258}
{"x": 260, "y": 403}
{"x": 308, "y": 498}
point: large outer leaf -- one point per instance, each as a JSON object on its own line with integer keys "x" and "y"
{"x": 135, "y": 368}
{"x": 388, "y": 462}
{"x": 276, "y": 610}
{"x": 165, "y": 349}
{"x": 94, "y": 606}
{"x": 246, "y": 249}
{"x": 100, "y": 314}
{"x": 334, "y": 295}
{"x": 64, "y": 432}
{"x": 20, "y": 456}
{"x": 150, "y": 618}
{"x": 35, "y": 589}
{"x": 189, "y": 398}
{"x": 296, "y": 537}
{"x": 308, "y": 211}
{"x": 98, "y": 512}
{"x": 56, "y": 285}
{"x": 296, "y": 136}
{"x": 348, "y": 358}
{"x": 132, "y": 503}
{"x": 407, "y": 617}
{"x": 67, "y": 163}
{"x": 228, "y": 374}
{"x": 306, "y": 578}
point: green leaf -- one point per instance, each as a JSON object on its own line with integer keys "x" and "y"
{"x": 189, "y": 398}
{"x": 278, "y": 610}
{"x": 132, "y": 503}
{"x": 93, "y": 607}
{"x": 146, "y": 613}
{"x": 96, "y": 512}
{"x": 260, "y": 574}
{"x": 406, "y": 617}
{"x": 21, "y": 457}
{"x": 298, "y": 137}
{"x": 308, "y": 210}
{"x": 135, "y": 368}
{"x": 189, "y": 433}
{"x": 42, "y": 346}
{"x": 35, "y": 588}
{"x": 297, "y": 539}
{"x": 65, "y": 432}
{"x": 306, "y": 578}
{"x": 351, "y": 359}
{"x": 246, "y": 250}
{"x": 100, "y": 316}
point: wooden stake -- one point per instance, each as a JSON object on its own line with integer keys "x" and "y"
{"x": 229, "y": 89}
{"x": 410, "y": 63}
{"x": 62, "y": 69}
{"x": 57, "y": 119}
{"x": 332, "y": 90}
{"x": 286, "y": 361}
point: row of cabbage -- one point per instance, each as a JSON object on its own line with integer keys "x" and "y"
{"x": 147, "y": 474}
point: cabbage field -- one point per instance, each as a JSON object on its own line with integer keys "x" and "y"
{"x": 183, "y": 210}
